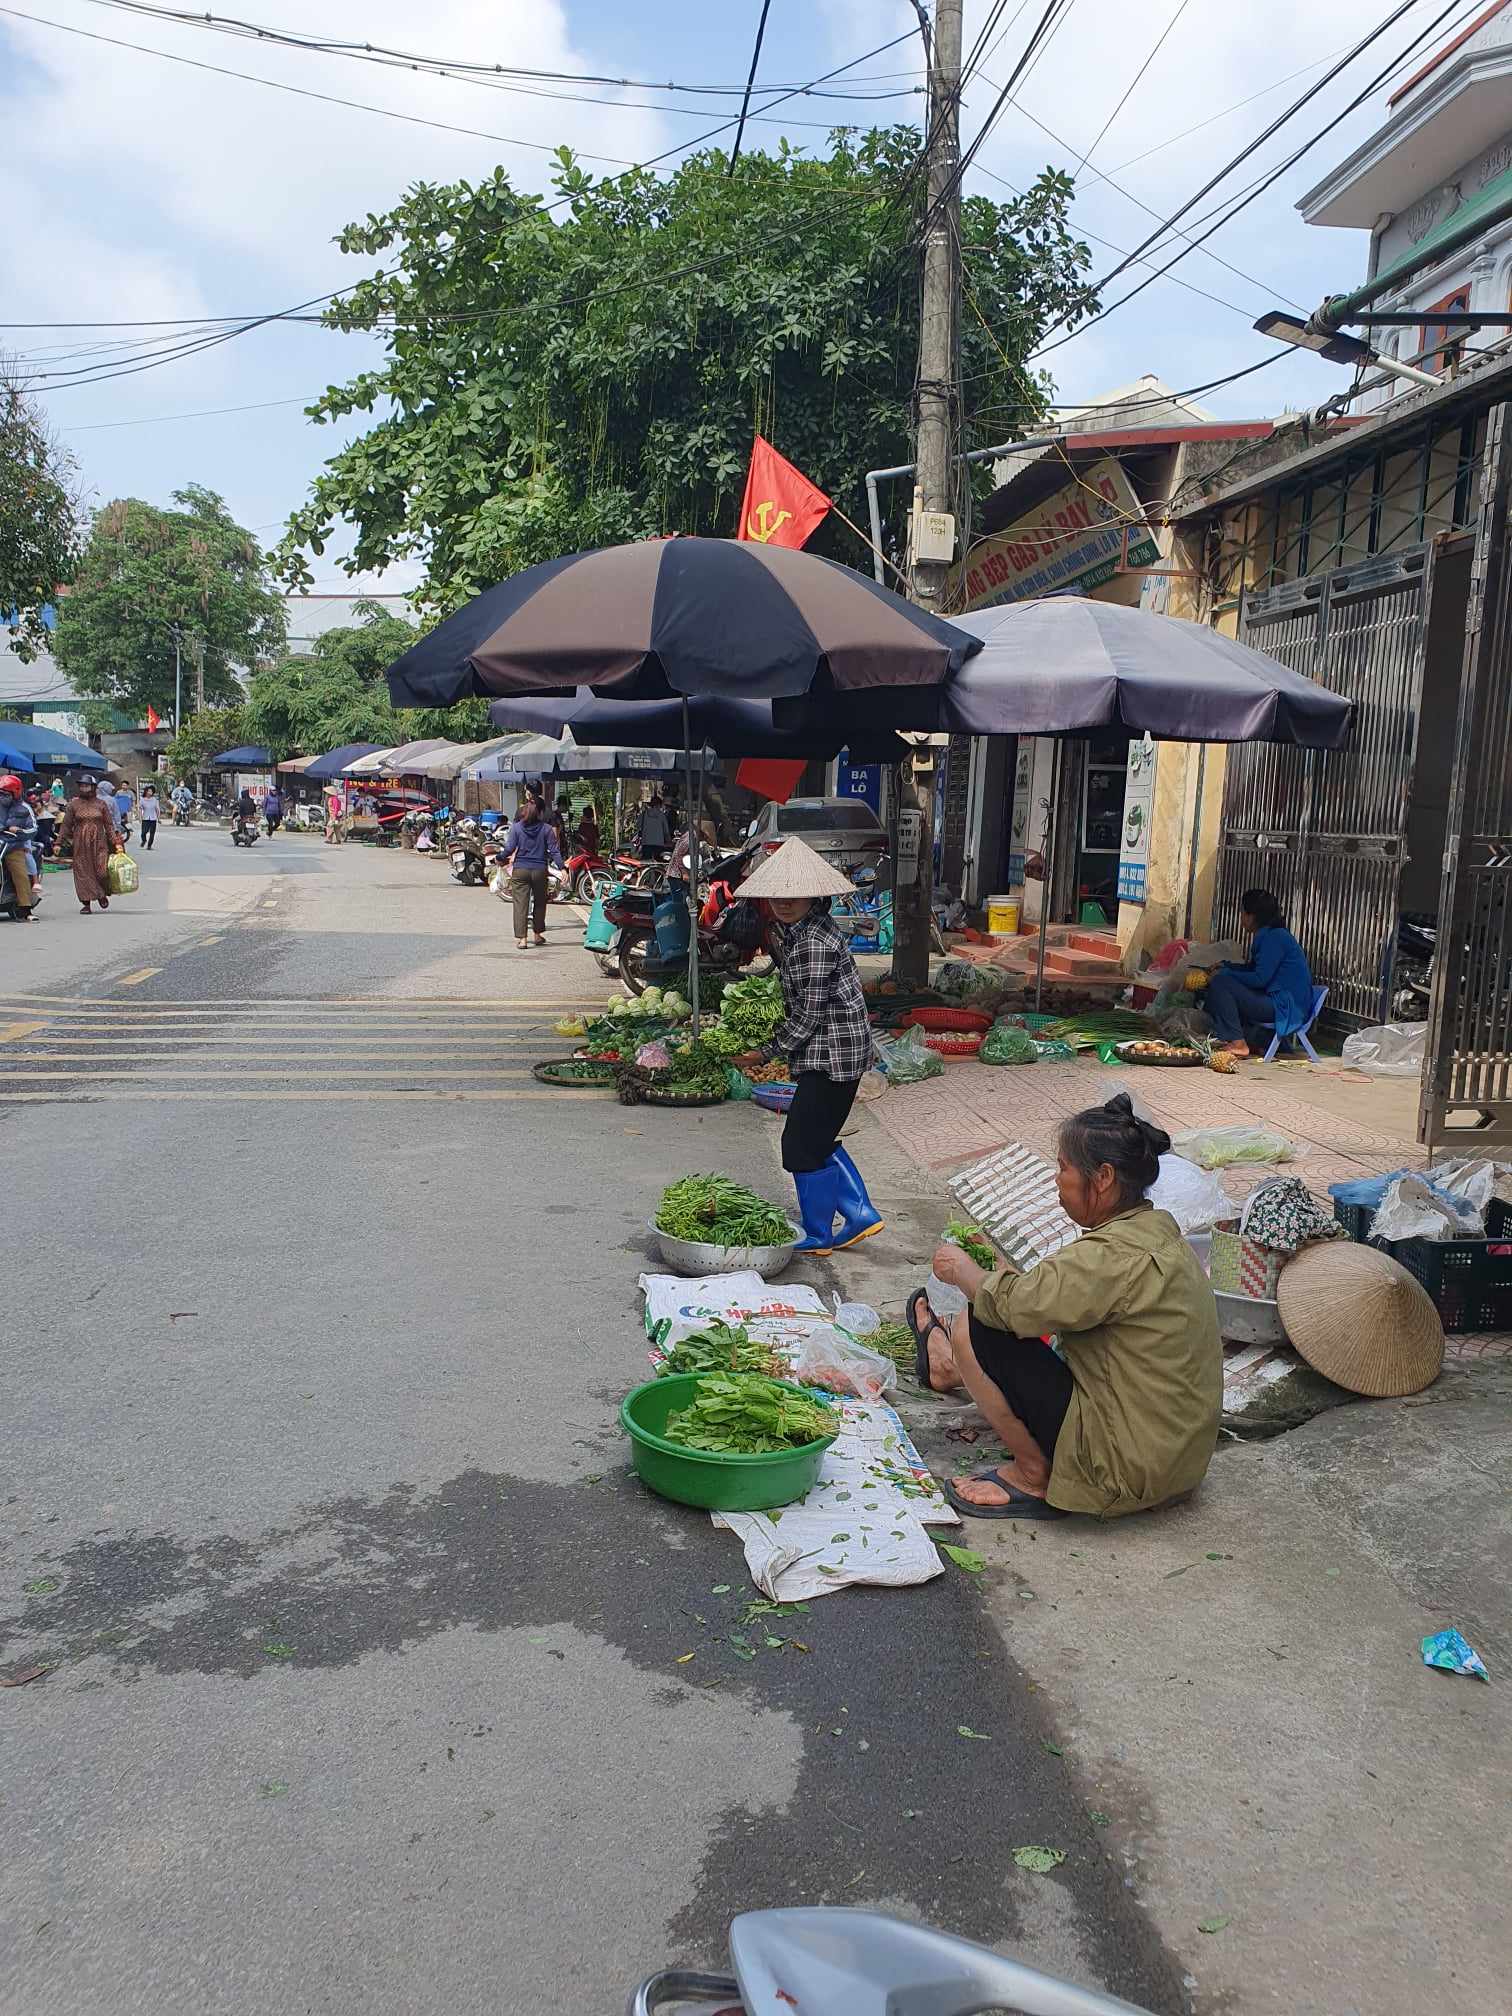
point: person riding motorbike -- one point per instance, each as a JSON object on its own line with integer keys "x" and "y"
{"x": 246, "y": 810}
{"x": 182, "y": 800}
{"x": 18, "y": 833}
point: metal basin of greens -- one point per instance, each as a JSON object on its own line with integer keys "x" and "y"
{"x": 718, "y": 1483}
{"x": 742, "y": 1230}
{"x": 698, "y": 1256}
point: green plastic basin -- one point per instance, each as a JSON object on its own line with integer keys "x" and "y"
{"x": 698, "y": 1477}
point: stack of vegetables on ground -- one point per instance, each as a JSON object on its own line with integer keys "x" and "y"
{"x": 721, "y": 1347}
{"x": 718, "y": 1211}
{"x": 749, "y": 1012}
{"x": 746, "y": 1414}
{"x": 692, "y": 1071}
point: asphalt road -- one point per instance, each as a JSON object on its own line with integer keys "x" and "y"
{"x": 367, "y": 1686}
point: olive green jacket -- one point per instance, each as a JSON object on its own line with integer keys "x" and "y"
{"x": 1138, "y": 1326}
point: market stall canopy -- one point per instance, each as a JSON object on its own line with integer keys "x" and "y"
{"x": 335, "y": 761}
{"x": 401, "y": 761}
{"x": 12, "y": 759}
{"x": 522, "y": 755}
{"x": 1065, "y": 665}
{"x": 679, "y": 616}
{"x": 48, "y": 750}
{"x": 715, "y": 721}
{"x": 297, "y": 766}
{"x": 374, "y": 764}
{"x": 448, "y": 762}
{"x": 250, "y": 757}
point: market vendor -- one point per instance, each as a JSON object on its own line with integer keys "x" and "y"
{"x": 1124, "y": 1415}
{"x": 825, "y": 1037}
{"x": 1272, "y": 990}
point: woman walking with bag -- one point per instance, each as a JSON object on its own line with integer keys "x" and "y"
{"x": 89, "y": 828}
{"x": 826, "y": 1039}
{"x": 528, "y": 845}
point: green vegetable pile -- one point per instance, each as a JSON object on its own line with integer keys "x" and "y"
{"x": 694, "y": 1069}
{"x": 1006, "y": 1045}
{"x": 720, "y": 1212}
{"x": 744, "y": 1414}
{"x": 972, "y": 1243}
{"x": 721, "y": 1347}
{"x": 749, "y": 1012}
{"x": 1097, "y": 1025}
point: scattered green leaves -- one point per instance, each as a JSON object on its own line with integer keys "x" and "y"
{"x": 1038, "y": 1859}
{"x": 273, "y": 1788}
{"x": 972, "y": 1735}
{"x": 963, "y": 1557}
{"x": 41, "y": 1585}
{"x": 1214, "y": 1924}
{"x": 1100, "y": 1819}
{"x": 277, "y": 1648}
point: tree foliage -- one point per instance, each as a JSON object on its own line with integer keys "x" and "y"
{"x": 39, "y": 516}
{"x": 144, "y": 571}
{"x": 204, "y": 736}
{"x": 335, "y": 693}
{"x": 554, "y": 383}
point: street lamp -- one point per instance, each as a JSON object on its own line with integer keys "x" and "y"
{"x": 1335, "y": 345}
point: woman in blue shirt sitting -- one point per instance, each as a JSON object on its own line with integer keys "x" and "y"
{"x": 1273, "y": 990}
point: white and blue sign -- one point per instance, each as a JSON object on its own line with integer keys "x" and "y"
{"x": 859, "y": 780}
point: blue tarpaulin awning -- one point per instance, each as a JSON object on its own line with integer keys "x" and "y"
{"x": 48, "y": 750}
{"x": 251, "y": 757}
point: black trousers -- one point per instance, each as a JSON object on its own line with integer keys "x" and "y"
{"x": 1036, "y": 1383}
{"x": 821, "y": 1106}
{"x": 149, "y": 833}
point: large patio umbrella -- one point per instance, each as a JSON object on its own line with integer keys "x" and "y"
{"x": 679, "y": 616}
{"x": 251, "y": 756}
{"x": 12, "y": 759}
{"x": 1066, "y": 665}
{"x": 46, "y": 749}
{"x": 728, "y": 727}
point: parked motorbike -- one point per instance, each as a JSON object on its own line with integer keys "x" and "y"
{"x": 588, "y": 875}
{"x": 1412, "y": 975}
{"x": 864, "y": 1963}
{"x": 652, "y": 936}
{"x": 472, "y": 854}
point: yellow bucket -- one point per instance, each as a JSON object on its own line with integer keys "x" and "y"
{"x": 1002, "y": 917}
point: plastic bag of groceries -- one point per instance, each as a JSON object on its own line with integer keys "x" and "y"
{"x": 908, "y": 1059}
{"x": 829, "y": 1358}
{"x": 1195, "y": 1198}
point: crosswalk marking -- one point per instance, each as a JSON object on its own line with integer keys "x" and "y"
{"x": 377, "y": 1048}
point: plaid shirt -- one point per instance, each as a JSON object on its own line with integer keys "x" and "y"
{"x": 826, "y": 1027}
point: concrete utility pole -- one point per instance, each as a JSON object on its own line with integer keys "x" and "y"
{"x": 938, "y": 425}
{"x": 199, "y": 675}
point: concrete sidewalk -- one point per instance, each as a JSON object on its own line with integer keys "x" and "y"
{"x": 1238, "y": 1682}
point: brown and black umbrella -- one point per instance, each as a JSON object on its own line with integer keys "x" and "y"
{"x": 675, "y": 617}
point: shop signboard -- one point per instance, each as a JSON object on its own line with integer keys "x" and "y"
{"x": 1139, "y": 803}
{"x": 1018, "y": 836}
{"x": 1069, "y": 543}
{"x": 859, "y": 780}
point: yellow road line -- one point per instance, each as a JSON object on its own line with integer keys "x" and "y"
{"x": 136, "y": 979}
{"x": 209, "y": 941}
{"x": 12, "y": 1032}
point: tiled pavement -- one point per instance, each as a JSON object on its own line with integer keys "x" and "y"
{"x": 974, "y": 1108}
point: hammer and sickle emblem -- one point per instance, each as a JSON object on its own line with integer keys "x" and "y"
{"x": 762, "y": 525}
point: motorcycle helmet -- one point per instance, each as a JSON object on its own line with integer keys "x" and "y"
{"x": 9, "y": 783}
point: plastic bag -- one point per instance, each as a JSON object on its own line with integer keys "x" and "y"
{"x": 1411, "y": 1210}
{"x": 121, "y": 875}
{"x": 1007, "y": 1045}
{"x": 856, "y": 1319}
{"x": 653, "y": 1057}
{"x": 1219, "y": 1147}
{"x": 1195, "y": 1199}
{"x": 736, "y": 1083}
{"x": 829, "y": 1358}
{"x": 1390, "y": 1050}
{"x": 958, "y": 979}
{"x": 907, "y": 1059}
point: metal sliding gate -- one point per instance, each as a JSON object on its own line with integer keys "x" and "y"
{"x": 1326, "y": 830}
{"x": 1467, "y": 1087}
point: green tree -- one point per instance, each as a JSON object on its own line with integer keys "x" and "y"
{"x": 39, "y": 516}
{"x": 204, "y": 736}
{"x": 557, "y": 383}
{"x": 145, "y": 572}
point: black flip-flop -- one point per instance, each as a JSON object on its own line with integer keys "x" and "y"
{"x": 1021, "y": 1504}
{"x": 921, "y": 1334}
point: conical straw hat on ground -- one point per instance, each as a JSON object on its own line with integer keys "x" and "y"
{"x": 1360, "y": 1319}
{"x": 795, "y": 870}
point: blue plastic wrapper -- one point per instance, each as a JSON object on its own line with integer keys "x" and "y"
{"x": 1449, "y": 1650}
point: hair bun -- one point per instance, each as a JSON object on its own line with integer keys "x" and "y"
{"x": 1121, "y": 1109}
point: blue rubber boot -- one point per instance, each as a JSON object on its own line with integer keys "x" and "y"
{"x": 859, "y": 1217}
{"x": 818, "y": 1201}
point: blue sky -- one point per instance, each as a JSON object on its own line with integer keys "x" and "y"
{"x": 143, "y": 188}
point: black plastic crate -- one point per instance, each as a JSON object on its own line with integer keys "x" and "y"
{"x": 1470, "y": 1280}
{"x": 1355, "y": 1218}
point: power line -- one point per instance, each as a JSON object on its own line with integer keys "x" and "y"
{"x": 204, "y": 413}
{"x": 1181, "y": 8}
{"x": 745, "y": 103}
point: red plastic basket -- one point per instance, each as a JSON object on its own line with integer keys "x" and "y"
{"x": 947, "y": 1018}
{"x": 954, "y": 1045}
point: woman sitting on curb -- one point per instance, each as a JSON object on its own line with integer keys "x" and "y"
{"x": 1127, "y": 1417}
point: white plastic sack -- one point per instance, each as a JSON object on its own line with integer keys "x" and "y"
{"x": 1410, "y": 1210}
{"x": 1219, "y": 1147}
{"x": 1194, "y": 1198}
{"x": 675, "y": 1307}
{"x": 1390, "y": 1050}
{"x": 827, "y": 1357}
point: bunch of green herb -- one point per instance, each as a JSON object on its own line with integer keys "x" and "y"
{"x": 744, "y": 1414}
{"x": 972, "y": 1243}
{"x": 720, "y": 1212}
{"x": 695, "y": 1068}
{"x": 721, "y": 1347}
{"x": 749, "y": 1011}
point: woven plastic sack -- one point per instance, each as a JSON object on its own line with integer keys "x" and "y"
{"x": 121, "y": 875}
{"x": 1008, "y": 1046}
{"x": 907, "y": 1059}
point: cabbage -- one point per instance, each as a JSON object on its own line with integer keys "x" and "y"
{"x": 651, "y": 999}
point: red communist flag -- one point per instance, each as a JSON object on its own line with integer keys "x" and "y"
{"x": 781, "y": 506}
{"x": 154, "y": 719}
